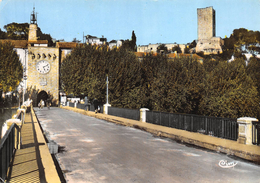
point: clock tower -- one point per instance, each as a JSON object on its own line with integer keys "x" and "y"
{"x": 43, "y": 66}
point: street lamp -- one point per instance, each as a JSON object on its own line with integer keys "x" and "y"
{"x": 107, "y": 89}
{"x": 24, "y": 73}
{"x": 107, "y": 104}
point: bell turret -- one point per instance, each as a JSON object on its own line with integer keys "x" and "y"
{"x": 33, "y": 27}
{"x": 33, "y": 17}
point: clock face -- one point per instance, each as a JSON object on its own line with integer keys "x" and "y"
{"x": 43, "y": 67}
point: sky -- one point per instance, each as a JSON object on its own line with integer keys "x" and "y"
{"x": 153, "y": 21}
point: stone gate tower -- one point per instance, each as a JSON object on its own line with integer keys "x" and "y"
{"x": 43, "y": 65}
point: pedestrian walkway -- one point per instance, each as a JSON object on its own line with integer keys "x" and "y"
{"x": 33, "y": 162}
{"x": 230, "y": 147}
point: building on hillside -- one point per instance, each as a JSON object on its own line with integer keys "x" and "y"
{"x": 93, "y": 40}
{"x": 170, "y": 46}
{"x": 207, "y": 40}
{"x": 148, "y": 48}
{"x": 115, "y": 44}
{"x": 153, "y": 47}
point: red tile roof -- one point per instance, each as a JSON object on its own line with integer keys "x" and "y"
{"x": 16, "y": 43}
{"x": 174, "y": 55}
{"x": 141, "y": 54}
{"x": 170, "y": 55}
{"x": 38, "y": 42}
{"x": 68, "y": 44}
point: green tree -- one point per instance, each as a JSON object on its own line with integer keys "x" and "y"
{"x": 190, "y": 46}
{"x": 2, "y": 34}
{"x": 125, "y": 80}
{"x": 152, "y": 68}
{"x": 184, "y": 85}
{"x": 173, "y": 86}
{"x": 229, "y": 92}
{"x": 133, "y": 41}
{"x": 85, "y": 71}
{"x": 17, "y": 31}
{"x": 253, "y": 71}
{"x": 242, "y": 40}
{"x": 11, "y": 71}
{"x": 130, "y": 44}
{"x": 186, "y": 49}
{"x": 193, "y": 44}
{"x": 177, "y": 49}
{"x": 162, "y": 49}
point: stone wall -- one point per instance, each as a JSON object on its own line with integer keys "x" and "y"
{"x": 210, "y": 46}
{"x": 48, "y": 82}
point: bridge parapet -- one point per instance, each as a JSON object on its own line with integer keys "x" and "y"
{"x": 245, "y": 130}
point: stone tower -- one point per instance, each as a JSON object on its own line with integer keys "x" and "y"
{"x": 206, "y": 23}
{"x": 207, "y": 42}
{"x": 33, "y": 27}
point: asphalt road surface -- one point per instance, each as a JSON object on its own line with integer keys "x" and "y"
{"x": 97, "y": 151}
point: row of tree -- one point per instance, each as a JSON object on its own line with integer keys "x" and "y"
{"x": 11, "y": 70}
{"x": 214, "y": 88}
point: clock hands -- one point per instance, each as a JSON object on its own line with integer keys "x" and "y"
{"x": 45, "y": 66}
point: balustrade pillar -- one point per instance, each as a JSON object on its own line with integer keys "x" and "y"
{"x": 143, "y": 114}
{"x": 105, "y": 108}
{"x": 245, "y": 130}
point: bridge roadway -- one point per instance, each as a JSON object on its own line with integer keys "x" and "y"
{"x": 97, "y": 151}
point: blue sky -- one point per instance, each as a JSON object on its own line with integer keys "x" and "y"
{"x": 154, "y": 21}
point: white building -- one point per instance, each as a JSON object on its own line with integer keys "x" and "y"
{"x": 153, "y": 47}
{"x": 115, "y": 44}
{"x": 95, "y": 40}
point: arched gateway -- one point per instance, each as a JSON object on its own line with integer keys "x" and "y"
{"x": 42, "y": 96}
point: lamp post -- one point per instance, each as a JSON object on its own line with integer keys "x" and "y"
{"x": 24, "y": 73}
{"x": 107, "y": 104}
{"x": 107, "y": 89}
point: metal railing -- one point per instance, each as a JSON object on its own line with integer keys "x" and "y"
{"x": 125, "y": 113}
{"x": 215, "y": 126}
{"x": 255, "y": 133}
{"x": 8, "y": 144}
{"x": 88, "y": 107}
{"x": 71, "y": 104}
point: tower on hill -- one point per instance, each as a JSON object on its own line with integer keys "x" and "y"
{"x": 206, "y": 23}
{"x": 208, "y": 43}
